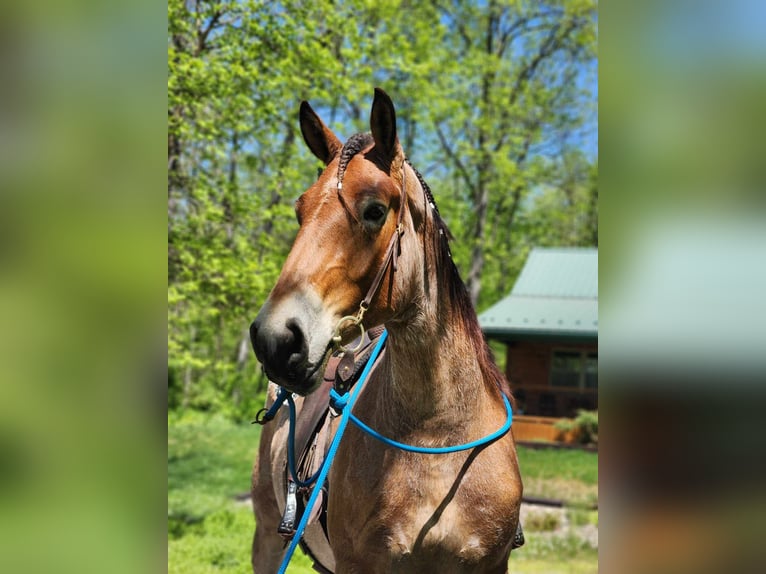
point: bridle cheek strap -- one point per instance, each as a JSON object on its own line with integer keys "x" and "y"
{"x": 393, "y": 251}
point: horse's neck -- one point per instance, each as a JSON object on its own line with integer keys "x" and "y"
{"x": 433, "y": 373}
{"x": 432, "y": 360}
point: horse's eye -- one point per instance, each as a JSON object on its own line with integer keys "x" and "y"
{"x": 374, "y": 213}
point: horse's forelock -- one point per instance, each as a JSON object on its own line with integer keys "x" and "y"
{"x": 353, "y": 146}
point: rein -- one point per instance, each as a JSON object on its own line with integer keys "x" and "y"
{"x": 266, "y": 415}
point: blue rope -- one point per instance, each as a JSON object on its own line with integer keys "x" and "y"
{"x": 442, "y": 449}
{"x": 269, "y": 414}
{"x": 325, "y": 469}
{"x": 345, "y": 403}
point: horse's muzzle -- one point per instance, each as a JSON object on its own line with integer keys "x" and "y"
{"x": 281, "y": 345}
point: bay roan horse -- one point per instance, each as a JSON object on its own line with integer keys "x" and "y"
{"x": 436, "y": 385}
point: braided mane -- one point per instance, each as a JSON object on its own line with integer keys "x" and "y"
{"x": 353, "y": 146}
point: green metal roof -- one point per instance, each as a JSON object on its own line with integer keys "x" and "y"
{"x": 555, "y": 296}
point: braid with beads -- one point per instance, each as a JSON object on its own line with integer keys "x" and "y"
{"x": 353, "y": 146}
{"x": 431, "y": 201}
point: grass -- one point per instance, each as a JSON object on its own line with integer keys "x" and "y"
{"x": 574, "y": 464}
{"x": 570, "y": 475}
{"x": 209, "y": 464}
{"x": 209, "y": 531}
{"x": 585, "y": 565}
{"x": 541, "y": 522}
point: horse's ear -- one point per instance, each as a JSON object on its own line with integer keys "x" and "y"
{"x": 383, "y": 124}
{"x": 321, "y": 141}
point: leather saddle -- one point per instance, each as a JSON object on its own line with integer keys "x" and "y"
{"x": 313, "y": 436}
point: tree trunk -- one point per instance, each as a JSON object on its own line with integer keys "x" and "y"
{"x": 241, "y": 355}
{"x": 188, "y": 371}
{"x": 228, "y": 209}
{"x": 482, "y": 187}
{"x": 473, "y": 281}
{"x": 592, "y": 230}
{"x": 243, "y": 349}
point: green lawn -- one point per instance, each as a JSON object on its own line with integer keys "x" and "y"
{"x": 209, "y": 462}
{"x": 570, "y": 475}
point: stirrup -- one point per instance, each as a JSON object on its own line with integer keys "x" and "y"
{"x": 287, "y": 524}
{"x": 518, "y": 539}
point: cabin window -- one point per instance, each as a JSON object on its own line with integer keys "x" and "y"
{"x": 591, "y": 371}
{"x": 565, "y": 369}
{"x": 574, "y": 370}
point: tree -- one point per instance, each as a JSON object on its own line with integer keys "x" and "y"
{"x": 488, "y": 102}
{"x": 231, "y": 180}
{"x": 509, "y": 97}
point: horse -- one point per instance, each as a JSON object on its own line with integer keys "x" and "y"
{"x": 372, "y": 249}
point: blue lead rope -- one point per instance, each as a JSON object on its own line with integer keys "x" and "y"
{"x": 325, "y": 468}
{"x": 266, "y": 415}
{"x": 345, "y": 403}
{"x": 442, "y": 449}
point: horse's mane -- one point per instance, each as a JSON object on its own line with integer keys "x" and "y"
{"x": 460, "y": 299}
{"x": 446, "y": 270}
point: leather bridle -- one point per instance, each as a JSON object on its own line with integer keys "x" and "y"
{"x": 392, "y": 254}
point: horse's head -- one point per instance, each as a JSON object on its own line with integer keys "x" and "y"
{"x": 344, "y": 254}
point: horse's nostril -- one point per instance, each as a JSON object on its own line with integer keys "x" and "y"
{"x": 294, "y": 347}
{"x": 280, "y": 347}
{"x": 297, "y": 334}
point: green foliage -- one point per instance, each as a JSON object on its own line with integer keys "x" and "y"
{"x": 580, "y": 517}
{"x": 209, "y": 462}
{"x": 585, "y": 425}
{"x": 491, "y": 102}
